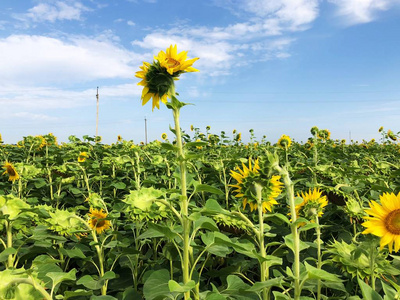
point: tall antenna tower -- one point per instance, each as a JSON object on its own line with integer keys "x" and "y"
{"x": 145, "y": 129}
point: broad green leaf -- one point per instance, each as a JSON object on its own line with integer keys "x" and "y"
{"x": 212, "y": 206}
{"x": 367, "y": 292}
{"x": 77, "y": 293}
{"x": 258, "y": 286}
{"x": 59, "y": 277}
{"x": 180, "y": 288}
{"x": 206, "y": 223}
{"x": 156, "y": 286}
{"x": 72, "y": 253}
{"x": 290, "y": 244}
{"x": 4, "y": 254}
{"x": 315, "y": 273}
{"x": 207, "y": 188}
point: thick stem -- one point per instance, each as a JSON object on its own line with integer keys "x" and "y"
{"x": 184, "y": 205}
{"x": 101, "y": 261}
{"x": 319, "y": 257}
{"x": 263, "y": 265}
{"x": 10, "y": 260}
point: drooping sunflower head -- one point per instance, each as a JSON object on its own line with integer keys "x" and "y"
{"x": 97, "y": 220}
{"x": 82, "y": 156}
{"x": 391, "y": 135}
{"x": 246, "y": 178}
{"x": 313, "y": 204}
{"x": 175, "y": 63}
{"x": 384, "y": 220}
{"x": 238, "y": 137}
{"x": 11, "y": 171}
{"x": 270, "y": 192}
{"x": 164, "y": 136}
{"x": 324, "y": 134}
{"x": 314, "y": 130}
{"x": 284, "y": 142}
{"x": 380, "y": 129}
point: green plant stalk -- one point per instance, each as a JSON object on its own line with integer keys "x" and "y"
{"x": 372, "y": 265}
{"x": 295, "y": 232}
{"x": 10, "y": 259}
{"x": 184, "y": 205}
{"x": 49, "y": 174}
{"x": 264, "y": 272}
{"x": 319, "y": 256}
{"x": 101, "y": 261}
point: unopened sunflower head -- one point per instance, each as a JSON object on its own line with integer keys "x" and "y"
{"x": 158, "y": 78}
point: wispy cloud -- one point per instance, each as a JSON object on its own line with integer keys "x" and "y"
{"x": 53, "y": 11}
{"x": 361, "y": 11}
{"x": 14, "y": 98}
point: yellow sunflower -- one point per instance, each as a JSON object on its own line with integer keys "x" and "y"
{"x": 245, "y": 181}
{"x": 175, "y": 62}
{"x": 164, "y": 136}
{"x": 273, "y": 190}
{"x": 284, "y": 142}
{"x": 380, "y": 129}
{"x": 119, "y": 138}
{"x": 82, "y": 156}
{"x": 384, "y": 220}
{"x": 11, "y": 171}
{"x": 97, "y": 220}
{"x": 313, "y": 204}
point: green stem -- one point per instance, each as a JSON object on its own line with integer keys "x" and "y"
{"x": 372, "y": 265}
{"x": 184, "y": 205}
{"x": 263, "y": 265}
{"x": 101, "y": 261}
{"x": 10, "y": 260}
{"x": 319, "y": 257}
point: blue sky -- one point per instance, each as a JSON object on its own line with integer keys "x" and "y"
{"x": 275, "y": 66}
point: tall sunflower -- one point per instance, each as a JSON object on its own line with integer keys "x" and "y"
{"x": 313, "y": 204}
{"x": 158, "y": 78}
{"x": 97, "y": 220}
{"x": 384, "y": 220}
{"x": 11, "y": 171}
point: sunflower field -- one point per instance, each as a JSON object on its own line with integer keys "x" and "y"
{"x": 201, "y": 215}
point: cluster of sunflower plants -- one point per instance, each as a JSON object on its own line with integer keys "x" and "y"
{"x": 201, "y": 215}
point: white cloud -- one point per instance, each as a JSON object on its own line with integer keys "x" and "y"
{"x": 43, "y": 60}
{"x": 130, "y": 23}
{"x": 361, "y": 11}
{"x": 34, "y": 117}
{"x": 52, "y": 12}
{"x": 262, "y": 37}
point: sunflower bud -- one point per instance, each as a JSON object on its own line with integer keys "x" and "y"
{"x": 314, "y": 130}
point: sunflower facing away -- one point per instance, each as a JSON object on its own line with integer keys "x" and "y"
{"x": 384, "y": 220}
{"x": 313, "y": 204}
{"x": 97, "y": 220}
{"x": 284, "y": 142}
{"x": 158, "y": 78}
{"x": 246, "y": 178}
{"x": 11, "y": 171}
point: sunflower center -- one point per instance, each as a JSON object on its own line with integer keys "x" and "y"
{"x": 172, "y": 63}
{"x": 392, "y": 222}
{"x": 99, "y": 223}
{"x": 10, "y": 171}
